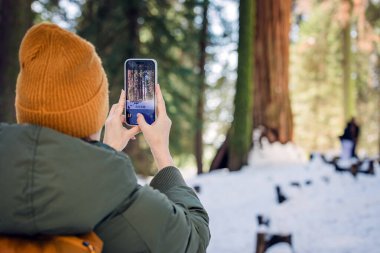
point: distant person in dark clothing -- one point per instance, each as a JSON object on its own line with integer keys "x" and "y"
{"x": 355, "y": 131}
{"x": 350, "y": 137}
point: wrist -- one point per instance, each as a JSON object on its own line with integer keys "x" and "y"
{"x": 162, "y": 158}
{"x": 112, "y": 145}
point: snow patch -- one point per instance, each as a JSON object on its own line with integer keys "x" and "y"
{"x": 327, "y": 212}
{"x": 275, "y": 153}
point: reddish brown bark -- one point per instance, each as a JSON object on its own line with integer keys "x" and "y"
{"x": 272, "y": 107}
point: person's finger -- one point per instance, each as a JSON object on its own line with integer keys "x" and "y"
{"x": 160, "y": 101}
{"x": 141, "y": 121}
{"x": 120, "y": 105}
{"x": 122, "y": 118}
{"x": 113, "y": 108}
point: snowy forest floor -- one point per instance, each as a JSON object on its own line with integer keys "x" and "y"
{"x": 332, "y": 213}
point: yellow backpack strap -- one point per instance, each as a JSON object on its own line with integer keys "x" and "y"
{"x": 88, "y": 243}
{"x": 92, "y": 241}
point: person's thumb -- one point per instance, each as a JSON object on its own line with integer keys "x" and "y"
{"x": 141, "y": 121}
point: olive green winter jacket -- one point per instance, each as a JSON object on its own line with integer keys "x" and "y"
{"x": 51, "y": 183}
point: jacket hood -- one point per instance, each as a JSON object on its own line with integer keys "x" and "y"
{"x": 52, "y": 183}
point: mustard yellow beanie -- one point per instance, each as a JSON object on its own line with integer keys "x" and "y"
{"x": 61, "y": 84}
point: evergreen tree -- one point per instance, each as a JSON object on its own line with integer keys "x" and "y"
{"x": 16, "y": 17}
{"x": 241, "y": 128}
{"x": 316, "y": 79}
{"x": 203, "y": 39}
{"x": 163, "y": 30}
{"x": 317, "y": 71}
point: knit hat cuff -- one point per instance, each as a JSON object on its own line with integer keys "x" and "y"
{"x": 78, "y": 122}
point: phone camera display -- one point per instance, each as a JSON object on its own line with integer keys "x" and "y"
{"x": 140, "y": 80}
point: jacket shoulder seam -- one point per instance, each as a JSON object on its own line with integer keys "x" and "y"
{"x": 31, "y": 178}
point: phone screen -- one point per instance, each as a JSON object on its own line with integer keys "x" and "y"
{"x": 140, "y": 82}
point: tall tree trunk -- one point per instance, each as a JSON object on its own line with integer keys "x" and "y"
{"x": 201, "y": 91}
{"x": 16, "y": 17}
{"x": 241, "y": 128}
{"x": 132, "y": 13}
{"x": 349, "y": 97}
{"x": 378, "y": 123}
{"x": 220, "y": 160}
{"x": 378, "y": 102}
{"x": 272, "y": 108}
{"x": 233, "y": 153}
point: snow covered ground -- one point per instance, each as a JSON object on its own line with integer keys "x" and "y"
{"x": 335, "y": 213}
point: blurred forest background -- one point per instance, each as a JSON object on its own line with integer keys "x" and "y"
{"x": 297, "y": 69}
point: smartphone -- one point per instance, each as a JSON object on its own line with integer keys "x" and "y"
{"x": 140, "y": 78}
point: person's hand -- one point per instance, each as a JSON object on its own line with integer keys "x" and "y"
{"x": 157, "y": 134}
{"x": 116, "y": 135}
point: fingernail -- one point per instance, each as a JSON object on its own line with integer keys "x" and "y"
{"x": 138, "y": 115}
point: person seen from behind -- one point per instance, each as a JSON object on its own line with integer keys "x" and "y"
{"x": 58, "y": 178}
{"x": 349, "y": 139}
